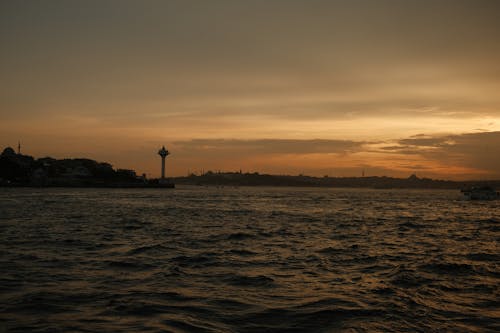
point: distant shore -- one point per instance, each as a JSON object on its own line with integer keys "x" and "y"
{"x": 256, "y": 179}
{"x": 18, "y": 170}
{"x": 253, "y": 180}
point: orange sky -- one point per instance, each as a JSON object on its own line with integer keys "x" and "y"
{"x": 312, "y": 87}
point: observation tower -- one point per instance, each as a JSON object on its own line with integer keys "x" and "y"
{"x": 163, "y": 153}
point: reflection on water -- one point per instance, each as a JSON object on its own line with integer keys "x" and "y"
{"x": 247, "y": 260}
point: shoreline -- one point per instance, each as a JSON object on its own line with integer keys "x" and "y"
{"x": 185, "y": 185}
{"x": 169, "y": 186}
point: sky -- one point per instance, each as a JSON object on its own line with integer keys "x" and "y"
{"x": 284, "y": 87}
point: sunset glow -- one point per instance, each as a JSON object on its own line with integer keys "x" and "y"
{"x": 285, "y": 87}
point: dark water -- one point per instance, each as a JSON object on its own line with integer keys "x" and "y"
{"x": 247, "y": 260}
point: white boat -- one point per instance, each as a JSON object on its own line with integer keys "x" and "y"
{"x": 481, "y": 193}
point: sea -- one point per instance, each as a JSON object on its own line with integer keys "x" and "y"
{"x": 247, "y": 259}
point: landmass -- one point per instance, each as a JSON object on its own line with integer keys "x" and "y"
{"x": 255, "y": 179}
{"x": 23, "y": 170}
{"x": 18, "y": 170}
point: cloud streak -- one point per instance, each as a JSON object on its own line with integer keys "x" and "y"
{"x": 269, "y": 146}
{"x": 475, "y": 150}
{"x": 447, "y": 156}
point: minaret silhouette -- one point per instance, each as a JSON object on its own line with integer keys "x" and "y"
{"x": 19, "y": 147}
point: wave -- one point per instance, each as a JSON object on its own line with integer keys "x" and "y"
{"x": 249, "y": 281}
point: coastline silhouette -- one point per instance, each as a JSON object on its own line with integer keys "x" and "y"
{"x": 17, "y": 169}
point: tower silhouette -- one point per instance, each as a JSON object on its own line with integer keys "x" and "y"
{"x": 163, "y": 153}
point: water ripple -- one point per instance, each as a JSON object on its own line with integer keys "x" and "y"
{"x": 247, "y": 260}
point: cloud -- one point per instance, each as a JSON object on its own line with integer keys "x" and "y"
{"x": 287, "y": 59}
{"x": 469, "y": 155}
{"x": 232, "y": 147}
{"x": 480, "y": 151}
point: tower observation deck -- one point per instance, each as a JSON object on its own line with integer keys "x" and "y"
{"x": 163, "y": 154}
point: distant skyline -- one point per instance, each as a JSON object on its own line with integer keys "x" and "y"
{"x": 283, "y": 86}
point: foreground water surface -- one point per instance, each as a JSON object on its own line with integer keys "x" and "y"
{"x": 199, "y": 259}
